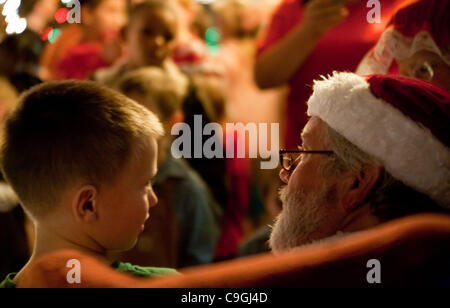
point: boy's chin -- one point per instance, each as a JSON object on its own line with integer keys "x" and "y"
{"x": 120, "y": 247}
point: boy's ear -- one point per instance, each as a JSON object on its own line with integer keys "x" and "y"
{"x": 84, "y": 204}
{"x": 359, "y": 187}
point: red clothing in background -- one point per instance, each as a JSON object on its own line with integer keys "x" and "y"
{"x": 238, "y": 201}
{"x": 81, "y": 61}
{"x": 341, "y": 49}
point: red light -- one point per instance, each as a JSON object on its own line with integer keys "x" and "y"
{"x": 46, "y": 33}
{"x": 61, "y": 15}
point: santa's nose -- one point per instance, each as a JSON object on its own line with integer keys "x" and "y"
{"x": 284, "y": 176}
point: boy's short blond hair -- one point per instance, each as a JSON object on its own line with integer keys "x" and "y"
{"x": 65, "y": 133}
{"x": 166, "y": 91}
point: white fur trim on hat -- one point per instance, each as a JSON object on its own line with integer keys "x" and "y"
{"x": 408, "y": 151}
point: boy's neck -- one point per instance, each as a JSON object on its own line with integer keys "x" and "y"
{"x": 48, "y": 240}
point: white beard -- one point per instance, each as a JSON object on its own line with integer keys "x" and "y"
{"x": 303, "y": 215}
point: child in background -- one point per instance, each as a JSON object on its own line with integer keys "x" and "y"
{"x": 191, "y": 53}
{"x": 183, "y": 196}
{"x": 149, "y": 40}
{"x": 100, "y": 43}
{"x": 81, "y": 158}
{"x": 150, "y": 37}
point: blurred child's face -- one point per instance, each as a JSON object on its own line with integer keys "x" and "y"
{"x": 124, "y": 206}
{"x": 46, "y": 9}
{"x": 108, "y": 18}
{"x": 151, "y": 37}
{"x": 427, "y": 66}
{"x": 186, "y": 12}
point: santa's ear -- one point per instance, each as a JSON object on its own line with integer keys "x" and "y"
{"x": 359, "y": 186}
{"x": 84, "y": 204}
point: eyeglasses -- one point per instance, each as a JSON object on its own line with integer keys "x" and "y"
{"x": 288, "y": 158}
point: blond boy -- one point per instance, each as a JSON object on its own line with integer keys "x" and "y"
{"x": 81, "y": 158}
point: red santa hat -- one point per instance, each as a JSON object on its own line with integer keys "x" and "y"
{"x": 418, "y": 25}
{"x": 403, "y": 122}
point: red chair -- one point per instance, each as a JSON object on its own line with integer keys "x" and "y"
{"x": 412, "y": 251}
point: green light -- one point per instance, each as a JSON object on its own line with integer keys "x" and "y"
{"x": 54, "y": 35}
{"x": 212, "y": 36}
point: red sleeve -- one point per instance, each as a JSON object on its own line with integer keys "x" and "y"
{"x": 284, "y": 19}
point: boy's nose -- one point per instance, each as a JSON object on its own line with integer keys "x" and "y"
{"x": 284, "y": 176}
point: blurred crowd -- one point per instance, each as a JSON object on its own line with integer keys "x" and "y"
{"x": 198, "y": 59}
{"x": 249, "y": 61}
